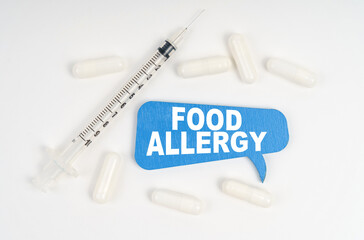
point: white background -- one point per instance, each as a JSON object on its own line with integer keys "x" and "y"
{"x": 317, "y": 181}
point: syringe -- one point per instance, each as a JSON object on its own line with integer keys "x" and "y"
{"x": 63, "y": 162}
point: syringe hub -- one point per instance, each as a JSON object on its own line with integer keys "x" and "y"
{"x": 47, "y": 177}
{"x": 58, "y": 164}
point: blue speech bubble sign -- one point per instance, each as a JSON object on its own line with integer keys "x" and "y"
{"x": 176, "y": 134}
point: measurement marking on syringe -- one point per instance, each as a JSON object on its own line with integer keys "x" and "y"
{"x": 144, "y": 68}
{"x": 82, "y": 137}
{"x": 149, "y": 64}
{"x": 117, "y": 100}
{"x": 100, "y": 119}
{"x": 144, "y": 72}
{"x": 134, "y": 81}
{"x": 109, "y": 110}
{"x": 129, "y": 85}
{"x": 119, "y": 95}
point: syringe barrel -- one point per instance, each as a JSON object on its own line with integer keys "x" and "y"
{"x": 63, "y": 162}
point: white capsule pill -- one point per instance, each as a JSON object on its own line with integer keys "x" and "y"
{"x": 107, "y": 179}
{"x": 242, "y": 191}
{"x": 98, "y": 67}
{"x": 204, "y": 66}
{"x": 244, "y": 62}
{"x": 291, "y": 72}
{"x": 178, "y": 201}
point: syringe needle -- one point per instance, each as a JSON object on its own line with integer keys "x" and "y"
{"x": 194, "y": 19}
{"x": 176, "y": 39}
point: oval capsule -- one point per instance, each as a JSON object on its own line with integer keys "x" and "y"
{"x": 244, "y": 192}
{"x": 204, "y": 66}
{"x": 178, "y": 201}
{"x": 97, "y": 67}
{"x": 243, "y": 60}
{"x": 291, "y": 72}
{"x": 107, "y": 179}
